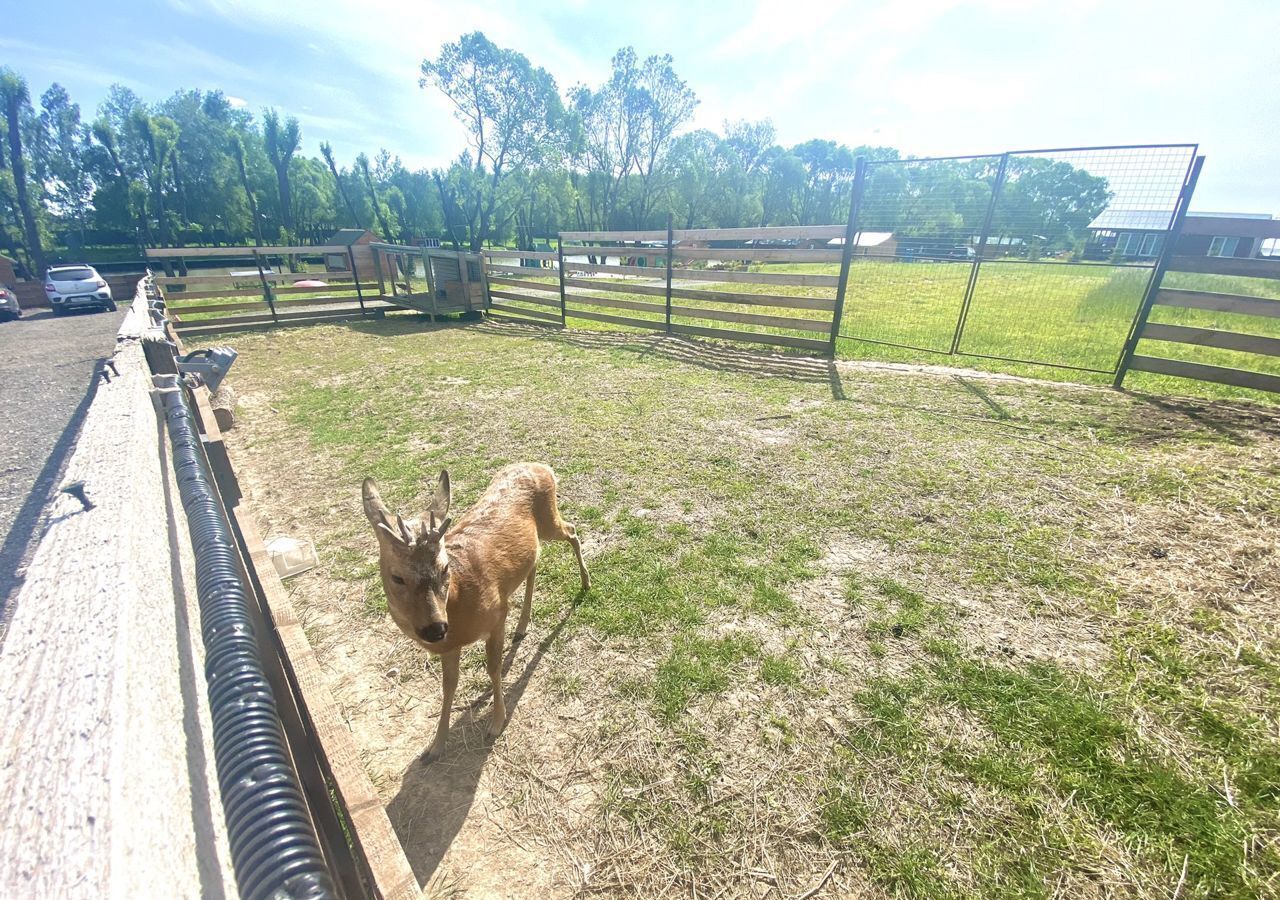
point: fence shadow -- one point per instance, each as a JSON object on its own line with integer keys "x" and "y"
{"x": 690, "y": 351}
{"x": 435, "y": 798}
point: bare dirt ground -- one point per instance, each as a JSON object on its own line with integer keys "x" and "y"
{"x": 856, "y": 630}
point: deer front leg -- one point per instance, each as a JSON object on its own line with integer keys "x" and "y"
{"x": 449, "y": 683}
{"x": 522, "y": 628}
{"x": 577, "y": 550}
{"x": 493, "y": 658}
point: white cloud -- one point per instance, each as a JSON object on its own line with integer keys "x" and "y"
{"x": 237, "y": 102}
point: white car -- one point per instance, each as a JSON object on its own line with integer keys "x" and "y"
{"x": 77, "y": 287}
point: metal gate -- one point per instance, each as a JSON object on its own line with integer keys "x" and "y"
{"x": 1037, "y": 256}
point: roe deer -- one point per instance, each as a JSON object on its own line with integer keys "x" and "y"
{"x": 448, "y": 587}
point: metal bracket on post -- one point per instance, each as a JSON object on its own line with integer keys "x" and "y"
{"x": 266, "y": 288}
{"x": 355, "y": 278}
{"x": 846, "y": 255}
{"x": 1157, "y": 274}
{"x": 560, "y": 266}
{"x": 671, "y": 243}
{"x": 997, "y": 186}
{"x": 210, "y": 364}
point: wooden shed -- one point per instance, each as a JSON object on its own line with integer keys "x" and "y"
{"x": 358, "y": 239}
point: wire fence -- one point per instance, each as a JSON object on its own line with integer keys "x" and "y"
{"x": 1037, "y": 256}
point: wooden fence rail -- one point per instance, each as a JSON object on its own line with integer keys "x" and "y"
{"x": 1211, "y": 336}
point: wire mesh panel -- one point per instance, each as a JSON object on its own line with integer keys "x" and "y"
{"x": 1073, "y": 238}
{"x": 914, "y": 249}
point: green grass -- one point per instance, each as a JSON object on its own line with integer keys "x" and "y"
{"x": 914, "y": 625}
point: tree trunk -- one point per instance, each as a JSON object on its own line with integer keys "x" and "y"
{"x": 30, "y": 228}
{"x": 286, "y": 199}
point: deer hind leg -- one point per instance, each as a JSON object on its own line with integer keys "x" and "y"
{"x": 553, "y": 528}
{"x": 449, "y": 683}
{"x": 522, "y": 627}
{"x": 571, "y": 535}
{"x": 493, "y": 661}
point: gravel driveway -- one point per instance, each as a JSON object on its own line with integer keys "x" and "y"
{"x": 47, "y": 371}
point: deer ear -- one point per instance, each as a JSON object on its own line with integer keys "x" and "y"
{"x": 439, "y": 507}
{"x": 374, "y": 508}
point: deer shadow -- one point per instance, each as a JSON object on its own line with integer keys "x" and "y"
{"x": 435, "y": 798}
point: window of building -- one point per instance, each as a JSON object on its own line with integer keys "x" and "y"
{"x": 1223, "y": 246}
{"x": 1150, "y": 245}
{"x": 1270, "y": 247}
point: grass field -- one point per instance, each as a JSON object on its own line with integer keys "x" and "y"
{"x": 1033, "y": 317}
{"x": 852, "y": 631}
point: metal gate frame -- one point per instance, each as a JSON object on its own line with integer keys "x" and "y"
{"x": 1001, "y": 178}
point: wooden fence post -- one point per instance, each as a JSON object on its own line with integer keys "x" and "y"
{"x": 1002, "y": 172}
{"x": 846, "y": 257}
{"x": 670, "y": 250}
{"x": 560, "y": 267}
{"x": 1157, "y": 274}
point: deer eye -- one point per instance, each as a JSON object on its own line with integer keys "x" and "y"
{"x": 397, "y": 579}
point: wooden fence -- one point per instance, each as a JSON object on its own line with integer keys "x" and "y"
{"x": 705, "y": 282}
{"x": 213, "y": 294}
{"x": 1160, "y": 297}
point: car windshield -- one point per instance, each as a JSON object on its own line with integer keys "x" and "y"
{"x": 82, "y": 273}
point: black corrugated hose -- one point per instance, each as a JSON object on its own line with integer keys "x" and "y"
{"x": 274, "y": 849}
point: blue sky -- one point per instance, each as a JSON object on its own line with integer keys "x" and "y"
{"x": 928, "y": 76}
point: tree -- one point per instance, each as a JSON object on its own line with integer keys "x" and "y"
{"x": 664, "y": 103}
{"x": 510, "y": 108}
{"x": 366, "y": 176}
{"x": 281, "y": 143}
{"x": 59, "y": 154}
{"x": 16, "y": 102}
{"x": 236, "y": 146}
{"x": 326, "y": 150}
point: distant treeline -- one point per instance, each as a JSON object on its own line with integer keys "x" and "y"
{"x": 196, "y": 169}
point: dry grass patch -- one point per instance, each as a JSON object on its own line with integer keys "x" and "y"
{"x": 886, "y": 632}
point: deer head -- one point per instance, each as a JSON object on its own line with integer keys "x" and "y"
{"x": 414, "y": 562}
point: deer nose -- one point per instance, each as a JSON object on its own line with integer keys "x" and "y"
{"x": 433, "y": 632}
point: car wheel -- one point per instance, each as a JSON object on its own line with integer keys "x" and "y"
{"x": 111, "y": 306}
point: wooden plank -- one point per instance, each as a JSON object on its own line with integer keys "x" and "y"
{"x": 540, "y": 301}
{"x": 1226, "y": 265}
{"x": 728, "y": 315}
{"x": 773, "y": 232}
{"x": 616, "y": 303}
{"x": 532, "y": 313}
{"x": 519, "y": 271}
{"x": 787, "y": 278}
{"x": 824, "y": 304}
{"x": 525, "y": 283}
{"x": 1200, "y": 372}
{"x": 246, "y": 252}
{"x": 178, "y": 296}
{"x": 166, "y": 280}
{"x": 1233, "y": 303}
{"x": 503, "y": 317}
{"x": 522, "y": 254}
{"x": 1212, "y": 337}
{"x": 647, "y": 324}
{"x": 619, "y": 287}
{"x": 613, "y": 236}
{"x": 643, "y": 271}
{"x": 775, "y": 339}
{"x": 370, "y": 828}
{"x": 771, "y": 254}
{"x": 261, "y": 304}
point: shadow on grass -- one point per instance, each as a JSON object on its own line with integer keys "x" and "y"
{"x": 435, "y": 798}
{"x": 1236, "y": 422}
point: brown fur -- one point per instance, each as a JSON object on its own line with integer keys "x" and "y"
{"x": 459, "y": 579}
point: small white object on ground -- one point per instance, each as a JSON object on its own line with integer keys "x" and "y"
{"x": 291, "y": 556}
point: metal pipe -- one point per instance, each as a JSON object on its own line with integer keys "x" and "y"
{"x": 846, "y": 252}
{"x": 274, "y": 848}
